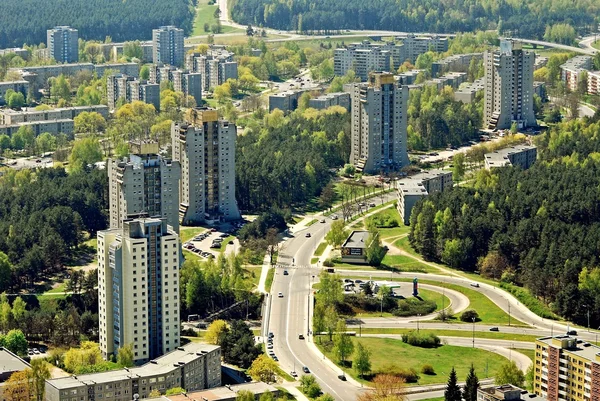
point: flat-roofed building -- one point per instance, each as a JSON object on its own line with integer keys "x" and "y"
{"x": 330, "y": 99}
{"x": 216, "y": 66}
{"x": 21, "y": 86}
{"x": 9, "y": 116}
{"x": 412, "y": 189}
{"x": 566, "y": 368}
{"x": 506, "y": 392}
{"x": 194, "y": 366}
{"x": 520, "y": 155}
{"x": 55, "y": 127}
{"x": 9, "y": 364}
{"x": 593, "y": 82}
{"x": 226, "y": 393}
{"x": 354, "y": 249}
{"x": 573, "y": 69}
{"x": 63, "y": 44}
{"x": 417, "y": 45}
{"x": 454, "y": 63}
{"x": 285, "y": 101}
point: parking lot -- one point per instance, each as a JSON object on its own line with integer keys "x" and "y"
{"x": 210, "y": 242}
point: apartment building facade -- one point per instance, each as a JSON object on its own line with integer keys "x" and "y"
{"x": 523, "y": 156}
{"x": 574, "y": 70}
{"x": 138, "y": 288}
{"x": 194, "y": 366}
{"x": 143, "y": 185}
{"x": 167, "y": 46}
{"x": 63, "y": 44}
{"x": 379, "y": 124}
{"x": 21, "y": 86}
{"x": 129, "y": 89}
{"x": 216, "y": 67}
{"x": 509, "y": 87}
{"x": 411, "y": 189}
{"x": 54, "y": 127}
{"x": 414, "y": 46}
{"x": 363, "y": 58}
{"x": 566, "y": 368}
{"x": 205, "y": 147}
{"x": 9, "y": 116}
{"x": 330, "y": 99}
{"x": 189, "y": 83}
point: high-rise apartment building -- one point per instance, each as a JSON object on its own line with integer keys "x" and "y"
{"x": 143, "y": 185}
{"x": 190, "y": 83}
{"x": 167, "y": 42}
{"x": 509, "y": 87}
{"x": 138, "y": 288}
{"x": 63, "y": 44}
{"x": 129, "y": 89}
{"x": 566, "y": 369}
{"x": 379, "y": 124}
{"x": 363, "y": 58}
{"x": 216, "y": 67}
{"x": 205, "y": 147}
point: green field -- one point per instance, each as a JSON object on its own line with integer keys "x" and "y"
{"x": 440, "y": 300}
{"x": 494, "y": 335}
{"x": 320, "y": 249}
{"x": 187, "y": 233}
{"x": 596, "y": 44}
{"x": 269, "y": 280}
{"x": 205, "y": 14}
{"x": 530, "y": 353}
{"x": 385, "y": 351}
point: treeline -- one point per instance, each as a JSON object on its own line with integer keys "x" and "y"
{"x": 285, "y": 161}
{"x": 96, "y": 19}
{"x": 437, "y": 120}
{"x": 539, "y": 228}
{"x": 43, "y": 217}
{"x": 522, "y": 18}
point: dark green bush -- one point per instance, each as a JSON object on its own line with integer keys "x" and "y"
{"x": 414, "y": 307}
{"x": 420, "y": 339}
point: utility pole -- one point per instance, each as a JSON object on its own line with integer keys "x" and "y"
{"x": 473, "y": 332}
{"x": 509, "y": 313}
{"x": 418, "y": 317}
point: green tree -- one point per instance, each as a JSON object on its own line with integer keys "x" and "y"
{"x": 216, "y": 332}
{"x": 362, "y": 360}
{"x": 154, "y": 394}
{"x": 60, "y": 88}
{"x": 89, "y": 122}
{"x": 471, "y": 385}
{"x": 19, "y": 309}
{"x": 45, "y": 143}
{"x": 4, "y": 142}
{"x": 175, "y": 391}
{"x": 38, "y": 376}
{"x": 331, "y": 319}
{"x": 303, "y": 102}
{"x": 325, "y": 397}
{"x": 458, "y": 168}
{"x": 263, "y": 369}
{"x": 125, "y": 356}
{"x": 337, "y": 234}
{"x": 5, "y": 272}
{"x": 238, "y": 346}
{"x": 15, "y": 100}
{"x": 509, "y": 373}
{"x": 145, "y": 72}
{"x": 455, "y": 252}
{"x": 452, "y": 392}
{"x": 16, "y": 342}
{"x": 331, "y": 291}
{"x": 374, "y": 252}
{"x": 342, "y": 343}
{"x": 244, "y": 395}
{"x": 133, "y": 50}
{"x": 77, "y": 360}
{"x": 85, "y": 151}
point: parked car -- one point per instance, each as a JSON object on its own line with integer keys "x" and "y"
{"x": 334, "y": 217}
{"x": 475, "y": 285}
{"x": 305, "y": 369}
{"x": 342, "y": 378}
{"x": 322, "y": 221}
{"x": 494, "y": 329}
{"x": 294, "y": 374}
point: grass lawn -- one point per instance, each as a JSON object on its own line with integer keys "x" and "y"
{"x": 530, "y": 353}
{"x": 439, "y": 299}
{"x": 313, "y": 260}
{"x": 60, "y": 288}
{"x": 320, "y": 249}
{"x": 205, "y": 14}
{"x": 407, "y": 264}
{"x": 310, "y": 223}
{"x": 495, "y": 335}
{"x": 253, "y": 272}
{"x": 269, "y": 280}
{"x": 187, "y": 233}
{"x": 404, "y": 244}
{"x": 385, "y": 351}
{"x": 224, "y": 243}
{"x": 393, "y": 232}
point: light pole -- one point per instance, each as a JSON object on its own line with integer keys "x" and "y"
{"x": 509, "y": 313}
{"x": 597, "y": 336}
{"x": 418, "y": 317}
{"x": 473, "y": 332}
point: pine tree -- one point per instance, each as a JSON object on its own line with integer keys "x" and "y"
{"x": 472, "y": 384}
{"x": 452, "y": 392}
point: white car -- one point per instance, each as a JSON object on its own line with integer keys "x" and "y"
{"x": 280, "y": 295}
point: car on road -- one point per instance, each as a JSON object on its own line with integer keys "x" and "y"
{"x": 371, "y": 204}
{"x": 275, "y": 358}
{"x": 305, "y": 369}
{"x": 307, "y": 235}
{"x": 322, "y": 221}
{"x": 271, "y": 335}
{"x": 294, "y": 374}
{"x": 572, "y": 332}
{"x": 334, "y": 217}
{"x": 300, "y": 337}
{"x": 269, "y": 346}
{"x": 475, "y": 285}
{"x": 224, "y": 235}
{"x": 342, "y": 377}
{"x": 280, "y": 294}
{"x": 494, "y": 329}
{"x": 285, "y": 273}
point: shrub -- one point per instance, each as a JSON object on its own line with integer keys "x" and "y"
{"x": 328, "y": 263}
{"x": 413, "y": 307}
{"x": 408, "y": 374}
{"x": 419, "y": 339}
{"x": 469, "y": 315}
{"x": 427, "y": 370}
{"x": 445, "y": 314}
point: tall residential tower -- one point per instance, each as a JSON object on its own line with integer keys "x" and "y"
{"x": 509, "y": 87}
{"x": 205, "y": 147}
{"x": 379, "y": 124}
{"x": 138, "y": 288}
{"x": 63, "y": 44}
{"x": 167, "y": 46}
{"x": 144, "y": 185}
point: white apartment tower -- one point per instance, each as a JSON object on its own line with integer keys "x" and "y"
{"x": 63, "y": 44}
{"x": 138, "y": 288}
{"x": 167, "y": 46}
{"x": 379, "y": 123}
{"x": 143, "y": 185}
{"x": 205, "y": 148}
{"x": 509, "y": 87}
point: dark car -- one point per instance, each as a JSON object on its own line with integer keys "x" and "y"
{"x": 305, "y": 369}
{"x": 342, "y": 378}
{"x": 572, "y": 332}
{"x": 285, "y": 273}
{"x": 300, "y": 337}
{"x": 494, "y": 329}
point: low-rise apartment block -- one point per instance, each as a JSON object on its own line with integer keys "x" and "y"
{"x": 285, "y": 101}
{"x": 9, "y": 364}
{"x": 417, "y": 45}
{"x": 17, "y": 86}
{"x": 330, "y": 99}
{"x": 572, "y": 70}
{"x": 19, "y": 51}
{"x": 566, "y": 368}
{"x": 226, "y": 393}
{"x": 506, "y": 392}
{"x": 455, "y": 63}
{"x": 593, "y": 82}
{"x": 467, "y": 94}
{"x": 412, "y": 189}
{"x": 521, "y": 155}
{"x": 9, "y": 116}
{"x": 194, "y": 366}
{"x": 55, "y": 127}
{"x": 129, "y": 89}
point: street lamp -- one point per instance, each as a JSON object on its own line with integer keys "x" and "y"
{"x": 509, "y": 313}
{"x": 473, "y": 332}
{"x": 418, "y": 316}
{"x": 597, "y": 336}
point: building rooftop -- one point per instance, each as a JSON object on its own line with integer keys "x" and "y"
{"x": 357, "y": 239}
{"x": 571, "y": 344}
{"x": 224, "y": 393}
{"x": 165, "y": 363}
{"x": 499, "y": 158}
{"x": 10, "y": 362}
{"x": 509, "y": 392}
{"x": 412, "y": 186}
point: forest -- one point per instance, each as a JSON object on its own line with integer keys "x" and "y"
{"x": 539, "y": 228}
{"x": 26, "y": 21}
{"x": 285, "y": 161}
{"x": 44, "y": 215}
{"x": 527, "y": 18}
